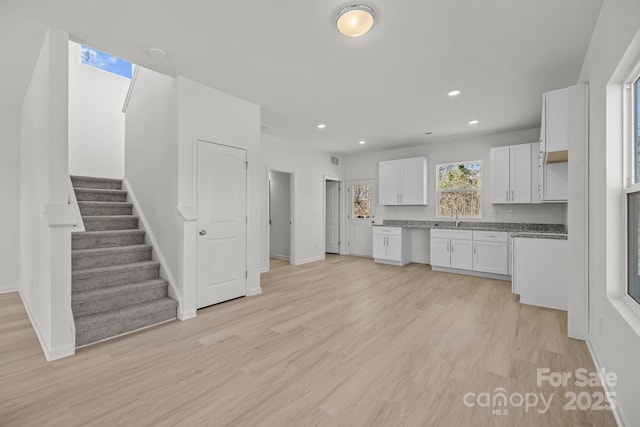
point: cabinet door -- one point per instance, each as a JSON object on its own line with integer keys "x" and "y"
{"x": 379, "y": 247}
{"x": 520, "y": 173}
{"x": 389, "y": 182}
{"x": 413, "y": 174}
{"x": 491, "y": 257}
{"x": 556, "y": 188}
{"x": 500, "y": 174}
{"x": 440, "y": 249}
{"x": 461, "y": 254}
{"x": 557, "y": 120}
{"x": 394, "y": 248}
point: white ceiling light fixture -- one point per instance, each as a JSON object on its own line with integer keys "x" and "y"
{"x": 362, "y": 142}
{"x": 157, "y": 53}
{"x": 473, "y": 122}
{"x": 355, "y": 20}
{"x": 321, "y": 126}
{"x": 454, "y": 92}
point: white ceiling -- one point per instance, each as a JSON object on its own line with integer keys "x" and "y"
{"x": 286, "y": 55}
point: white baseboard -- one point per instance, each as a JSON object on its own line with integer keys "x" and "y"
{"x": 284, "y": 257}
{"x": 254, "y": 291}
{"x": 308, "y": 260}
{"x": 49, "y": 355}
{"x": 618, "y": 414}
{"x": 264, "y": 269}
{"x": 187, "y": 314}
{"x": 8, "y": 289}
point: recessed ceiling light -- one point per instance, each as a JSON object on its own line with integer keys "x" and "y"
{"x": 157, "y": 53}
{"x": 362, "y": 142}
{"x": 321, "y": 126}
{"x": 454, "y": 92}
{"x": 355, "y": 20}
{"x": 473, "y": 122}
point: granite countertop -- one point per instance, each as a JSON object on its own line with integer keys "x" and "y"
{"x": 532, "y": 230}
{"x": 554, "y": 236}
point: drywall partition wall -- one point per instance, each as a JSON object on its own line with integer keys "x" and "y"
{"x": 96, "y": 120}
{"x": 9, "y": 199}
{"x": 613, "y": 339}
{"x": 361, "y": 166}
{"x": 151, "y": 159}
{"x": 210, "y": 115}
{"x": 46, "y": 217}
{"x": 309, "y": 167}
{"x": 280, "y": 215}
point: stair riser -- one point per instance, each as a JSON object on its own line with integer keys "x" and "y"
{"x": 89, "y": 183}
{"x": 123, "y": 300}
{"x": 88, "y": 196}
{"x": 106, "y": 210}
{"x": 110, "y": 224}
{"x": 95, "y": 282}
{"x": 127, "y": 325}
{"x": 84, "y": 262}
{"x": 81, "y": 242}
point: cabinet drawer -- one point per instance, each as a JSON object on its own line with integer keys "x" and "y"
{"x": 387, "y": 231}
{"x": 490, "y": 236}
{"x": 452, "y": 234}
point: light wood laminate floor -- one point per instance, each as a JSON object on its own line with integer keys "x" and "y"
{"x": 342, "y": 342}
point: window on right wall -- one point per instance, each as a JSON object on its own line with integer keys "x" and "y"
{"x": 458, "y": 188}
{"x": 633, "y": 193}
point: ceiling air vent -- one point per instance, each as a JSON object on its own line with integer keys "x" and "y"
{"x": 335, "y": 160}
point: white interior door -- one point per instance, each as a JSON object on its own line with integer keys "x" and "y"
{"x": 332, "y": 217}
{"x": 222, "y": 212}
{"x": 362, "y": 204}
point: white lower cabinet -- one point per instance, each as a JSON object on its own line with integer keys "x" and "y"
{"x": 490, "y": 252}
{"x": 479, "y": 251}
{"x": 391, "y": 245}
{"x": 451, "y": 248}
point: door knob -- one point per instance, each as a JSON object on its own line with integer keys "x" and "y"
{"x": 202, "y": 232}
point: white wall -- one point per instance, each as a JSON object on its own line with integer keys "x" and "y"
{"x": 614, "y": 341}
{"x": 210, "y": 115}
{"x": 9, "y": 200}
{"x": 96, "y": 120}
{"x": 280, "y": 214}
{"x": 151, "y": 159}
{"x": 363, "y": 166}
{"x": 45, "y": 216}
{"x": 309, "y": 167}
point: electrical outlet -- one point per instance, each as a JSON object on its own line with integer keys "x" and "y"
{"x": 510, "y": 212}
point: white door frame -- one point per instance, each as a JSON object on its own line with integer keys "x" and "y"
{"x": 348, "y": 207}
{"x": 292, "y": 250}
{"x": 324, "y": 209}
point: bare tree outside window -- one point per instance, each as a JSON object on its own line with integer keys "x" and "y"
{"x": 458, "y": 189}
{"x": 361, "y": 200}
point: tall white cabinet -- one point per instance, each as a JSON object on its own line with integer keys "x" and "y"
{"x": 514, "y": 174}
{"x": 554, "y": 144}
{"x": 403, "y": 181}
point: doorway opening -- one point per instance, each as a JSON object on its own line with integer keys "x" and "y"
{"x": 281, "y": 216}
{"x": 332, "y": 218}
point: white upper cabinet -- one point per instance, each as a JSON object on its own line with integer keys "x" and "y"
{"x": 514, "y": 173}
{"x": 554, "y": 144}
{"x": 403, "y": 181}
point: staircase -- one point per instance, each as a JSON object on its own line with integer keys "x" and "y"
{"x": 116, "y": 286}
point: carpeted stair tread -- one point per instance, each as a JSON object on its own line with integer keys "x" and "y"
{"x": 102, "y": 257}
{"x": 100, "y": 195}
{"x": 110, "y": 222}
{"x": 96, "y": 327}
{"x": 102, "y": 300}
{"x": 102, "y": 271}
{"x": 105, "y": 208}
{"x": 106, "y": 238}
{"x": 97, "y": 294}
{"x": 94, "y": 182}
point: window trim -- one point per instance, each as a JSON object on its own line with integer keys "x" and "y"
{"x": 439, "y": 191}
